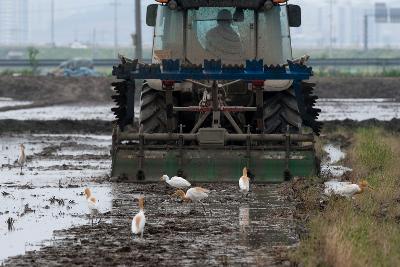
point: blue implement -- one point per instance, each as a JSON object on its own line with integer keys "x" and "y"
{"x": 172, "y": 70}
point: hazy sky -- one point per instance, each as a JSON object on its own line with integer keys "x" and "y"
{"x": 77, "y": 19}
{"x": 71, "y": 6}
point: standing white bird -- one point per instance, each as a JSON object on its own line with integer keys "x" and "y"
{"x": 92, "y": 203}
{"x": 345, "y": 189}
{"x": 175, "y": 181}
{"x": 139, "y": 220}
{"x": 244, "y": 182}
{"x": 196, "y": 194}
{"x": 21, "y": 157}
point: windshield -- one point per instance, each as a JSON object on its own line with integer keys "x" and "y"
{"x": 168, "y": 35}
{"x": 274, "y": 45}
{"x": 220, "y": 33}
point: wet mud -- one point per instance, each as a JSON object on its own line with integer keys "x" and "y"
{"x": 56, "y": 126}
{"x": 253, "y": 231}
{"x": 44, "y": 217}
{"x": 357, "y": 87}
{"x": 54, "y": 90}
{"x": 49, "y": 223}
{"x": 105, "y": 127}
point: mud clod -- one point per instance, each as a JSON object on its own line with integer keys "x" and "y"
{"x": 10, "y": 224}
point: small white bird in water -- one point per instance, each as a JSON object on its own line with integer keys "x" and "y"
{"x": 92, "y": 203}
{"x": 345, "y": 189}
{"x": 175, "y": 181}
{"x": 21, "y": 157}
{"x": 196, "y": 194}
{"x": 139, "y": 220}
{"x": 244, "y": 182}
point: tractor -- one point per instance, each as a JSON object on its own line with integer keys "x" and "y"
{"x": 222, "y": 92}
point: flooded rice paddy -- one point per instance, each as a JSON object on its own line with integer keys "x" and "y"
{"x": 38, "y": 211}
{"x": 234, "y": 230}
{"x": 9, "y": 102}
{"x": 47, "y": 195}
{"x": 358, "y": 109}
{"x": 50, "y": 223}
{"x": 54, "y": 159}
{"x": 60, "y": 112}
{"x": 47, "y": 215}
{"x": 332, "y": 109}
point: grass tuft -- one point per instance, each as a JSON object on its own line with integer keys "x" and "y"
{"x": 364, "y": 231}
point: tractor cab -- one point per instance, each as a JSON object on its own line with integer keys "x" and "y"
{"x": 232, "y": 31}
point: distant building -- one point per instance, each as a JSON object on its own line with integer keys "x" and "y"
{"x": 347, "y": 27}
{"x": 13, "y": 22}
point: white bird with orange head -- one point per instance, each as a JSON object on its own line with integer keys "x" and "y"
{"x": 244, "y": 182}
{"x": 139, "y": 220}
{"x": 175, "y": 181}
{"x": 195, "y": 194}
{"x": 345, "y": 189}
{"x": 21, "y": 157}
{"x": 91, "y": 202}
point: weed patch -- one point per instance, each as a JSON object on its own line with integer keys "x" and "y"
{"x": 363, "y": 231}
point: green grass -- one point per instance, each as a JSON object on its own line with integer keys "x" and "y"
{"x": 371, "y": 153}
{"x": 23, "y": 72}
{"x": 348, "y": 53}
{"x": 357, "y": 72}
{"x": 364, "y": 231}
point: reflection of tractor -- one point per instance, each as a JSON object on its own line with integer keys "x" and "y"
{"x": 209, "y": 105}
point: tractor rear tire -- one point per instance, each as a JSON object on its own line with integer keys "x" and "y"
{"x": 153, "y": 111}
{"x": 281, "y": 109}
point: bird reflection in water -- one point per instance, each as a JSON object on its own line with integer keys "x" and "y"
{"x": 244, "y": 222}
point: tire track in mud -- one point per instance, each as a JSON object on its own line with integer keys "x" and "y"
{"x": 253, "y": 231}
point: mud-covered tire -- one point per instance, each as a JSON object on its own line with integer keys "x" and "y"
{"x": 153, "y": 111}
{"x": 309, "y": 101}
{"x": 281, "y": 109}
{"x": 120, "y": 98}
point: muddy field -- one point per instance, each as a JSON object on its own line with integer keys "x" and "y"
{"x": 247, "y": 232}
{"x": 355, "y": 87}
{"x": 51, "y": 225}
{"x": 56, "y": 90}
{"x": 65, "y": 125}
{"x": 48, "y": 197}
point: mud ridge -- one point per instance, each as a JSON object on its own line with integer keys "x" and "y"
{"x": 56, "y": 126}
{"x": 392, "y": 126}
{"x": 105, "y": 127}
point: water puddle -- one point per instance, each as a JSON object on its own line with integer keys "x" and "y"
{"x": 82, "y": 136}
{"x": 332, "y": 109}
{"x": 47, "y": 196}
{"x": 36, "y": 214}
{"x": 258, "y": 227}
{"x": 67, "y": 112}
{"x": 330, "y": 167}
{"x": 54, "y": 159}
{"x": 6, "y": 102}
{"x": 358, "y": 109}
{"x": 240, "y": 231}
